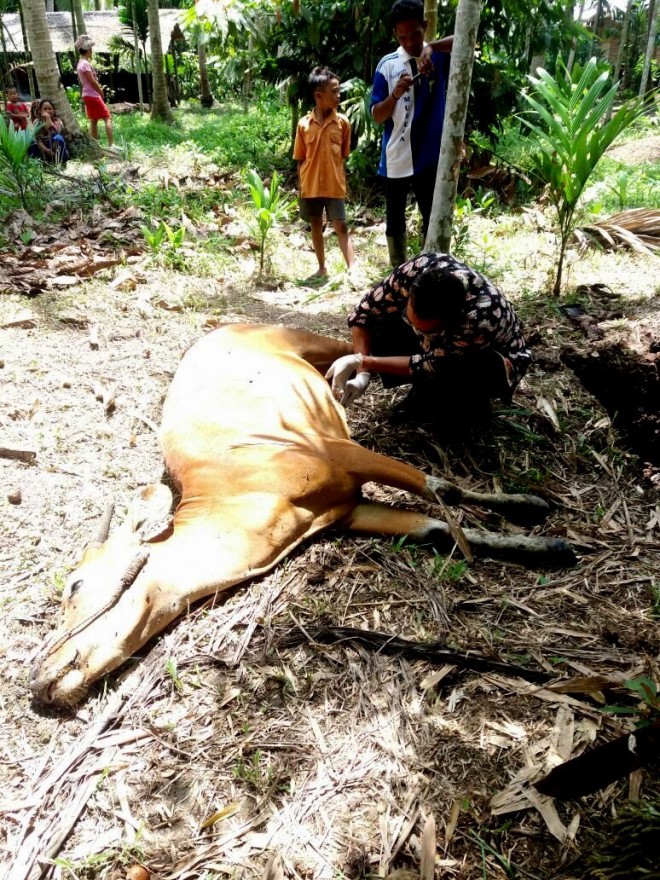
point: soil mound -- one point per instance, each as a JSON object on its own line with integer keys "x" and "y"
{"x": 627, "y": 383}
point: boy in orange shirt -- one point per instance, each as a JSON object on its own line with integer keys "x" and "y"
{"x": 323, "y": 141}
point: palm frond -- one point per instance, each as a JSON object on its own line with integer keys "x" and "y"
{"x": 637, "y": 229}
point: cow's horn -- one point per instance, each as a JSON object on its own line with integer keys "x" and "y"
{"x": 133, "y": 570}
{"x": 104, "y": 526}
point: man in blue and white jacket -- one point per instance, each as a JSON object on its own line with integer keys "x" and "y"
{"x": 412, "y": 111}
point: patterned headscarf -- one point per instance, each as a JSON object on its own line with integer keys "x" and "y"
{"x": 84, "y": 43}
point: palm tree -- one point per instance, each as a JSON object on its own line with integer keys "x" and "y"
{"x": 45, "y": 64}
{"x": 574, "y": 41}
{"x": 160, "y": 106}
{"x": 625, "y": 27}
{"x": 133, "y": 14}
{"x": 431, "y": 16}
{"x": 34, "y": 91}
{"x": 3, "y": 46}
{"x": 136, "y": 58}
{"x": 573, "y": 126}
{"x": 650, "y": 46}
{"x": 438, "y": 236}
{"x": 206, "y": 96}
{"x": 78, "y": 17}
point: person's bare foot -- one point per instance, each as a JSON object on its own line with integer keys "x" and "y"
{"x": 317, "y": 278}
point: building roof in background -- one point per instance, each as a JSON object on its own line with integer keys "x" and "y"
{"x": 591, "y": 9}
{"x": 100, "y": 26}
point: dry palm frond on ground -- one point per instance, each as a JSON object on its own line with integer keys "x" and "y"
{"x": 637, "y": 228}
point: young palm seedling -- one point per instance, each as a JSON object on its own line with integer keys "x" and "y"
{"x": 572, "y": 131}
{"x": 16, "y": 170}
{"x": 270, "y": 207}
{"x": 165, "y": 243}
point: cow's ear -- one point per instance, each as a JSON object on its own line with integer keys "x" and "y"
{"x": 150, "y": 512}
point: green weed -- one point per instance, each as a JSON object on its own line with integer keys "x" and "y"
{"x": 165, "y": 243}
{"x": 172, "y": 671}
{"x": 464, "y": 212}
{"x": 487, "y": 848}
{"x": 90, "y": 867}
{"x": 250, "y": 770}
{"x": 648, "y": 707}
{"x": 447, "y": 570}
{"x": 59, "y": 581}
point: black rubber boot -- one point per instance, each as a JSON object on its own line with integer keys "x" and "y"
{"x": 397, "y": 247}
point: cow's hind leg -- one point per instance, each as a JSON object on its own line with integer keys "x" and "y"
{"x": 379, "y": 519}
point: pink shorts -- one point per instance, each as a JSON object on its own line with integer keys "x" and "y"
{"x": 95, "y": 107}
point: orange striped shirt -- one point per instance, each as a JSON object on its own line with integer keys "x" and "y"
{"x": 321, "y": 148}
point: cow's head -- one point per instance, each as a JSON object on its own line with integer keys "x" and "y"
{"x": 105, "y": 604}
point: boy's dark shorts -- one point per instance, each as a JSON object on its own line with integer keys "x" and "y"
{"x": 335, "y": 209}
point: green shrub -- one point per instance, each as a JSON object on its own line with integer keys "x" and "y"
{"x": 18, "y": 173}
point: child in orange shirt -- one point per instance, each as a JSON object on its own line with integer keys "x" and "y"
{"x": 323, "y": 141}
{"x": 17, "y": 111}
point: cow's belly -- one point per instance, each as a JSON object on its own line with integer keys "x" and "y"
{"x": 261, "y": 505}
{"x": 306, "y": 476}
{"x": 243, "y": 396}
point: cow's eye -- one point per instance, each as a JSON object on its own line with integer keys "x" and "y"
{"x": 75, "y": 586}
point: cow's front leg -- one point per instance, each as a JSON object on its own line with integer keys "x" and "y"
{"x": 379, "y": 519}
{"x": 367, "y": 466}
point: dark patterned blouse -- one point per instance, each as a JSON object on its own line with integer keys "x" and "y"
{"x": 489, "y": 321}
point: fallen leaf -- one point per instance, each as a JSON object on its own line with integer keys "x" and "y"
{"x": 64, "y": 281}
{"x": 224, "y": 813}
{"x": 124, "y": 281}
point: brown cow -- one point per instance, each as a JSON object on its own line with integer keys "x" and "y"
{"x": 261, "y": 455}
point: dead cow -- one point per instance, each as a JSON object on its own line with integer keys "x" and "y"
{"x": 261, "y": 455}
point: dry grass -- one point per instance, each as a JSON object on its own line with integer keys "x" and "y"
{"x": 220, "y": 745}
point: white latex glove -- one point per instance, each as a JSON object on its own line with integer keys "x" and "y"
{"x": 355, "y": 388}
{"x": 341, "y": 371}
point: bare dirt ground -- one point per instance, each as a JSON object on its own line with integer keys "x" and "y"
{"x": 635, "y": 152}
{"x": 220, "y": 745}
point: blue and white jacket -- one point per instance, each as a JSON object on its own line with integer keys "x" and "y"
{"x": 411, "y": 137}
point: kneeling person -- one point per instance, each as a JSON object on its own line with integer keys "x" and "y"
{"x": 443, "y": 327}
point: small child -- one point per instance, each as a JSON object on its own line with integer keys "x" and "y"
{"x": 49, "y": 143}
{"x": 17, "y": 111}
{"x": 323, "y": 141}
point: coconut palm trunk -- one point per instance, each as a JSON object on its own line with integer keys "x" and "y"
{"x": 136, "y": 57}
{"x": 431, "y": 16}
{"x": 77, "y": 12}
{"x": 625, "y": 27}
{"x": 650, "y": 46}
{"x": 45, "y": 64}
{"x": 34, "y": 91}
{"x": 438, "y": 237}
{"x": 206, "y": 96}
{"x": 160, "y": 106}
{"x": 571, "y": 54}
{"x": 623, "y": 38}
{"x": 5, "y": 58}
